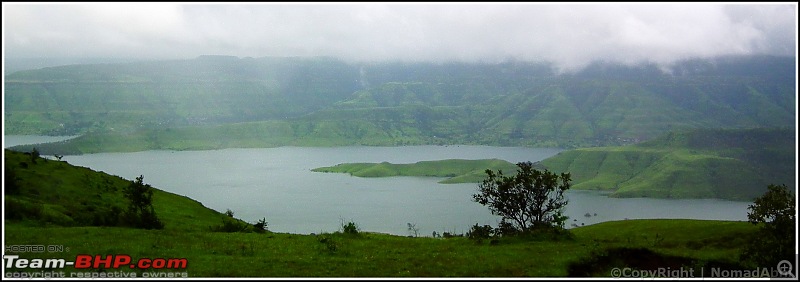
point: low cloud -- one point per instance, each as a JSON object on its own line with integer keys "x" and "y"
{"x": 569, "y": 35}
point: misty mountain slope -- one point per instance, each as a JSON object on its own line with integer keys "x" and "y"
{"x": 604, "y": 104}
{"x": 706, "y": 163}
{"x": 207, "y": 90}
{"x": 580, "y": 112}
{"x": 417, "y": 103}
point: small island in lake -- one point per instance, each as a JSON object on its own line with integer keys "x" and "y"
{"x": 457, "y": 170}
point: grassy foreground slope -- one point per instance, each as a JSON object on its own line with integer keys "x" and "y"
{"x": 210, "y": 254}
{"x": 55, "y": 193}
{"x": 707, "y": 163}
{"x": 53, "y": 202}
{"x": 457, "y": 171}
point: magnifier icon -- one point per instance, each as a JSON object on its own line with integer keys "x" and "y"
{"x": 785, "y": 269}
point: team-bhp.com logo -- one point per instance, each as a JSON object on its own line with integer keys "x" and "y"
{"x": 96, "y": 262}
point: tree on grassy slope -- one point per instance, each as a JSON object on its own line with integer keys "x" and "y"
{"x": 775, "y": 241}
{"x": 528, "y": 201}
{"x": 140, "y": 211}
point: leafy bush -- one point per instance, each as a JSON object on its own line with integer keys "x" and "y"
{"x": 350, "y": 228}
{"x": 774, "y": 214}
{"x": 34, "y": 155}
{"x": 506, "y": 229}
{"x": 451, "y": 235}
{"x": 140, "y": 211}
{"x": 231, "y": 225}
{"x": 21, "y": 209}
{"x": 478, "y": 232}
{"x": 261, "y": 225}
{"x": 328, "y": 243}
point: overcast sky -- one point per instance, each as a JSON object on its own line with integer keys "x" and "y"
{"x": 570, "y": 35}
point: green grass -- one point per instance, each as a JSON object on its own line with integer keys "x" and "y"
{"x": 708, "y": 163}
{"x": 56, "y": 193}
{"x": 54, "y": 197}
{"x": 455, "y": 170}
{"x": 704, "y": 239}
{"x": 379, "y": 255}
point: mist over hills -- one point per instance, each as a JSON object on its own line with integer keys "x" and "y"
{"x": 511, "y": 103}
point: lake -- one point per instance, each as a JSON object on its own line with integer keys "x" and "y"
{"x": 278, "y": 184}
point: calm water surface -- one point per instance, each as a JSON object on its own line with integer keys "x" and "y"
{"x": 277, "y": 183}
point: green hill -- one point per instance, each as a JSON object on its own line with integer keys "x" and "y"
{"x": 55, "y": 193}
{"x": 53, "y": 203}
{"x": 76, "y": 99}
{"x": 324, "y": 101}
{"x": 456, "y": 171}
{"x": 708, "y": 163}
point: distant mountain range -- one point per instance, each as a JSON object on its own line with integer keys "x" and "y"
{"x": 221, "y": 101}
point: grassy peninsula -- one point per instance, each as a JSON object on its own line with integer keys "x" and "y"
{"x": 455, "y": 170}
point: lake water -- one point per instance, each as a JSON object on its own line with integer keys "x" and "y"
{"x": 277, "y": 183}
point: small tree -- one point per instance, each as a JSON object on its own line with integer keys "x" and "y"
{"x": 350, "y": 227}
{"x": 774, "y": 212}
{"x": 34, "y": 155}
{"x": 477, "y": 232}
{"x": 529, "y": 200}
{"x": 412, "y": 229}
{"x": 261, "y": 225}
{"x": 140, "y": 211}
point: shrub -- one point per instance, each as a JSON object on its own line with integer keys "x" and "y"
{"x": 34, "y": 155}
{"x": 350, "y": 228}
{"x": 451, "y": 235}
{"x": 261, "y": 225}
{"x": 412, "y": 229}
{"x": 21, "y": 209}
{"x": 505, "y": 229}
{"x": 478, "y": 232}
{"x": 140, "y": 211}
{"x": 231, "y": 225}
{"x": 328, "y": 243}
{"x": 774, "y": 214}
